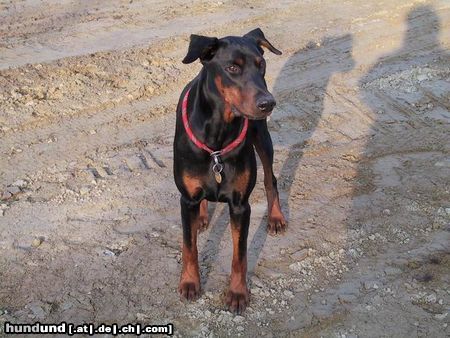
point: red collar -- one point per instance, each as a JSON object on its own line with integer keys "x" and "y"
{"x": 200, "y": 144}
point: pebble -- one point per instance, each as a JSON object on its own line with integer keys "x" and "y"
{"x": 37, "y": 311}
{"x": 257, "y": 282}
{"x": 108, "y": 253}
{"x": 370, "y": 285}
{"x": 431, "y": 298}
{"x": 84, "y": 190}
{"x": 141, "y": 316}
{"x": 288, "y": 294}
{"x": 240, "y": 328}
{"x": 13, "y": 190}
{"x": 37, "y": 242}
{"x": 422, "y": 77}
{"x": 238, "y": 319}
{"x": 20, "y": 184}
{"x": 441, "y": 316}
{"x": 386, "y": 212}
{"x": 6, "y": 195}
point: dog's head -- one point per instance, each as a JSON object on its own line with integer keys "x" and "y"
{"x": 237, "y": 68}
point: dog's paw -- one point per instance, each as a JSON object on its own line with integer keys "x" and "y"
{"x": 237, "y": 301}
{"x": 203, "y": 223}
{"x": 277, "y": 225}
{"x": 189, "y": 290}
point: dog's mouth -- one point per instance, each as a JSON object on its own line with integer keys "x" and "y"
{"x": 260, "y": 116}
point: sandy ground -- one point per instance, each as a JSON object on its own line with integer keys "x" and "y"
{"x": 89, "y": 217}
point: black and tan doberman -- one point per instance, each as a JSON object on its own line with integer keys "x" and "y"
{"x": 221, "y": 119}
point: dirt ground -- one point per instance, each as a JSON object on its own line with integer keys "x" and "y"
{"x": 89, "y": 217}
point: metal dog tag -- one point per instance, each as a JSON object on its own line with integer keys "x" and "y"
{"x": 218, "y": 177}
{"x": 217, "y": 167}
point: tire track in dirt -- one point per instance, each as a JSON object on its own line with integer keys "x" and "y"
{"x": 360, "y": 186}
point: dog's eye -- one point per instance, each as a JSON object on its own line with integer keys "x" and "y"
{"x": 262, "y": 65}
{"x": 233, "y": 69}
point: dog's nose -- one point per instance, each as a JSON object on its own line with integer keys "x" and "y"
{"x": 266, "y": 104}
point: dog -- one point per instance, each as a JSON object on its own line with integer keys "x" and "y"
{"x": 221, "y": 118}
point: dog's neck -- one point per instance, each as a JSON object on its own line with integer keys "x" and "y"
{"x": 207, "y": 117}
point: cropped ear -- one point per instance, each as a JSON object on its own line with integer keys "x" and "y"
{"x": 261, "y": 40}
{"x": 201, "y": 47}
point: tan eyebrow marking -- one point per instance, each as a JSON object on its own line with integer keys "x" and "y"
{"x": 239, "y": 61}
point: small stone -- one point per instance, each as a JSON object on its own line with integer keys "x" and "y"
{"x": 288, "y": 294}
{"x": 37, "y": 242}
{"x": 441, "y": 316}
{"x": 108, "y": 253}
{"x": 431, "y": 298}
{"x": 372, "y": 237}
{"x": 84, "y": 190}
{"x": 240, "y": 328}
{"x": 149, "y": 89}
{"x": 37, "y": 311}
{"x": 13, "y": 190}
{"x": 238, "y": 319}
{"x": 386, "y": 212}
{"x": 257, "y": 282}
{"x": 141, "y": 316}
{"x": 6, "y": 195}
{"x": 20, "y": 183}
{"x": 370, "y": 285}
{"x": 92, "y": 132}
{"x": 2, "y": 212}
{"x": 422, "y": 77}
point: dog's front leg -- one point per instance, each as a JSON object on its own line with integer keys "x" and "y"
{"x": 264, "y": 148}
{"x": 189, "y": 287}
{"x": 237, "y": 297}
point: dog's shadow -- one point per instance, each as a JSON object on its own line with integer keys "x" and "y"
{"x": 295, "y": 85}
